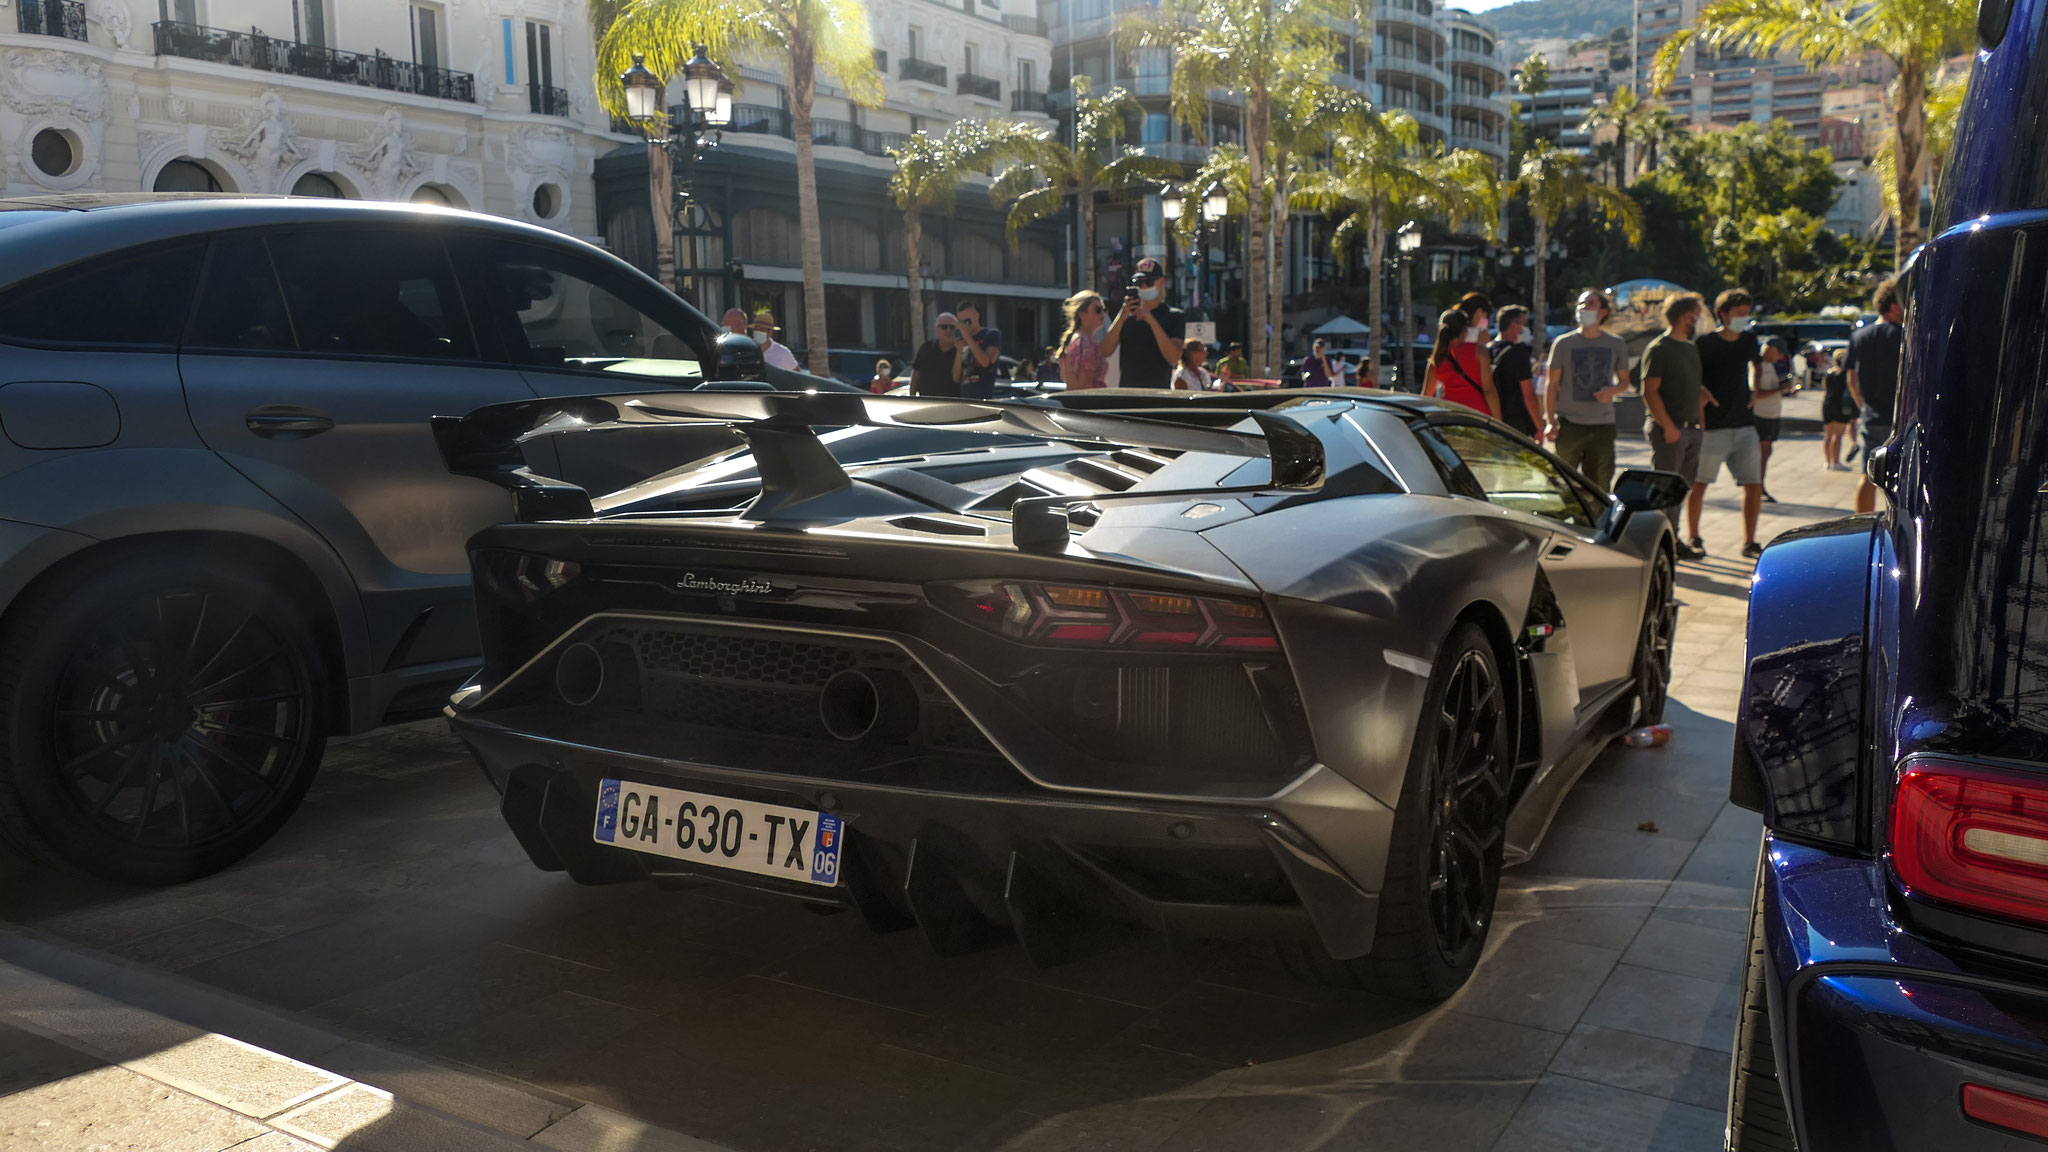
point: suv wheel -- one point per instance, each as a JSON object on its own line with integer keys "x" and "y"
{"x": 158, "y": 721}
{"x": 1443, "y": 865}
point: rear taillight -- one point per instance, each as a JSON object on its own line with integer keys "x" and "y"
{"x": 1973, "y": 837}
{"x": 1082, "y": 616}
{"x": 2008, "y": 1110}
{"x": 521, "y": 576}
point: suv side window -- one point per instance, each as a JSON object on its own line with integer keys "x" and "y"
{"x": 1514, "y": 475}
{"x": 369, "y": 292}
{"x": 550, "y": 309}
{"x": 240, "y": 307}
{"x": 133, "y": 299}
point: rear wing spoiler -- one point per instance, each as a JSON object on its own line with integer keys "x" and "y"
{"x": 795, "y": 466}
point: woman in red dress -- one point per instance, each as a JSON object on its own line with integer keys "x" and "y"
{"x": 1458, "y": 369}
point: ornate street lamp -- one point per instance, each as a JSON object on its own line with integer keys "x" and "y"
{"x": 676, "y": 140}
{"x": 1407, "y": 242}
{"x": 1216, "y": 205}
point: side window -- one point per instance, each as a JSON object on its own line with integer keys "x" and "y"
{"x": 1515, "y": 475}
{"x": 240, "y": 305}
{"x": 372, "y": 293}
{"x": 132, "y": 299}
{"x": 553, "y": 309}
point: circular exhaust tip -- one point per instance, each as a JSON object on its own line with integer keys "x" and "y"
{"x": 579, "y": 674}
{"x": 867, "y": 703}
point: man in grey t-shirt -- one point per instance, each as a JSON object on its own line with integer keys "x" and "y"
{"x": 1587, "y": 369}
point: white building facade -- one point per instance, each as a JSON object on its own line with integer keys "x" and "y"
{"x": 479, "y": 104}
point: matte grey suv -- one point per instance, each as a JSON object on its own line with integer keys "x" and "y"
{"x": 225, "y": 530}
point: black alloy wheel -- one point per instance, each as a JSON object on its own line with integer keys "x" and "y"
{"x": 1469, "y": 801}
{"x": 1449, "y": 835}
{"x": 161, "y": 721}
{"x": 1653, "y": 648}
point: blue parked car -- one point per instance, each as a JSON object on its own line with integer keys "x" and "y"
{"x": 1894, "y": 726}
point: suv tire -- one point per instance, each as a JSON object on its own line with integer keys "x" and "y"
{"x": 1757, "y": 1120}
{"x": 159, "y": 720}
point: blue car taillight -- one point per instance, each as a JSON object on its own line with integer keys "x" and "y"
{"x": 1973, "y": 837}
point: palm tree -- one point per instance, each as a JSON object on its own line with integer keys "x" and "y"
{"x": 1621, "y": 111}
{"x": 1915, "y": 35}
{"x": 1658, "y": 130}
{"x": 1309, "y": 115}
{"x": 1554, "y": 183}
{"x": 1535, "y": 76}
{"x": 1944, "y": 109}
{"x": 808, "y": 35}
{"x": 1037, "y": 187}
{"x": 1371, "y": 174}
{"x": 1247, "y": 46}
{"x": 930, "y": 170}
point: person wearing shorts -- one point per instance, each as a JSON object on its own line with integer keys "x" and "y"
{"x": 1875, "y": 354}
{"x": 1671, "y": 398}
{"x": 1767, "y": 406}
{"x": 1731, "y": 362}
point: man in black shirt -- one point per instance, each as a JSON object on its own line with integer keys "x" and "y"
{"x": 1731, "y": 359}
{"x": 1148, "y": 331}
{"x": 931, "y": 369}
{"x": 1514, "y": 372}
{"x": 1875, "y": 353}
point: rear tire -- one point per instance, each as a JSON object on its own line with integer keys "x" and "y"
{"x": 1443, "y": 864}
{"x": 1757, "y": 1120}
{"x": 159, "y": 720}
{"x": 1653, "y": 645}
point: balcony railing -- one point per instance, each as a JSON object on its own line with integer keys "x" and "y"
{"x": 982, "y": 86}
{"x": 836, "y": 133}
{"x": 879, "y": 143}
{"x": 546, "y": 101}
{"x": 763, "y": 119}
{"x": 64, "y": 18}
{"x": 252, "y": 49}
{"x": 923, "y": 71}
{"x": 1038, "y": 102}
{"x": 1028, "y": 25}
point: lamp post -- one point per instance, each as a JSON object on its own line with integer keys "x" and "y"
{"x": 1172, "y": 202}
{"x": 675, "y": 136}
{"x": 1407, "y": 242}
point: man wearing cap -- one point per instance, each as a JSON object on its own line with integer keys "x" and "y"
{"x": 1157, "y": 328}
{"x": 1234, "y": 366}
{"x": 773, "y": 353}
{"x": 931, "y": 368}
{"x": 735, "y": 322}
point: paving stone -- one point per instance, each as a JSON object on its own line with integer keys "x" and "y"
{"x": 28, "y": 1059}
{"x": 115, "y": 1109}
{"x": 1645, "y": 1064}
{"x": 1670, "y": 944}
{"x": 1562, "y": 1114}
{"x": 1540, "y": 982}
{"x": 594, "y": 1129}
{"x": 236, "y": 1075}
{"x": 1682, "y": 1009}
{"x": 362, "y": 1119}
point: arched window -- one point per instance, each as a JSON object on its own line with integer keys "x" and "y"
{"x": 317, "y": 184}
{"x": 185, "y": 176}
{"x": 851, "y": 244}
{"x": 976, "y": 257}
{"x": 765, "y": 236}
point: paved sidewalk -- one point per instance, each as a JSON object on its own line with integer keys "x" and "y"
{"x": 394, "y": 939}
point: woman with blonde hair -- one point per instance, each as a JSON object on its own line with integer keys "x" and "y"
{"x": 1081, "y": 361}
{"x": 885, "y": 377}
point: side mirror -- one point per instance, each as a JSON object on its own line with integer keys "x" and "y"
{"x": 1643, "y": 490}
{"x": 739, "y": 358}
{"x": 1882, "y": 466}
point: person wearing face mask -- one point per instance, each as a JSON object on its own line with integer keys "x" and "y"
{"x": 1147, "y": 330}
{"x": 1458, "y": 372}
{"x": 1514, "y": 377}
{"x": 1671, "y": 395}
{"x": 1731, "y": 366}
{"x": 1588, "y": 369}
{"x": 773, "y": 353}
{"x": 931, "y": 368}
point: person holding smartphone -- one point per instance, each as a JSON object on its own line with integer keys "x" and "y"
{"x": 1147, "y": 330}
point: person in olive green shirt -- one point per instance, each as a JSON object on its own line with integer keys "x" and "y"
{"x": 1233, "y": 366}
{"x": 1672, "y": 396}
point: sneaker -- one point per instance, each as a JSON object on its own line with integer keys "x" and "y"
{"x": 1770, "y": 499}
{"x": 1852, "y": 453}
{"x": 1752, "y": 550}
{"x": 1697, "y": 545}
{"x": 1688, "y": 552}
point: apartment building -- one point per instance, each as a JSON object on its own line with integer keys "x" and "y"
{"x": 483, "y": 105}
{"x": 1556, "y": 113}
{"x": 1715, "y": 89}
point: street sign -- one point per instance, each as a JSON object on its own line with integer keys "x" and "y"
{"x": 1203, "y": 330}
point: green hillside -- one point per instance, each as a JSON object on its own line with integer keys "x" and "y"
{"x": 1572, "y": 19}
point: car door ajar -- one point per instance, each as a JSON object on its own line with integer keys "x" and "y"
{"x": 1598, "y": 586}
{"x": 313, "y": 363}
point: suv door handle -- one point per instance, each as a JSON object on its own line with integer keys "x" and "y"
{"x": 287, "y": 420}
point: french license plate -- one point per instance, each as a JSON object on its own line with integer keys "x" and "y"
{"x": 765, "y": 839}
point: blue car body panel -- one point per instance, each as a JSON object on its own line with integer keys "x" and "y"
{"x": 1918, "y": 632}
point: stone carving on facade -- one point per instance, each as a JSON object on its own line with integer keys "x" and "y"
{"x": 535, "y": 156}
{"x": 387, "y": 158}
{"x": 176, "y": 106}
{"x": 113, "y": 16}
{"x": 267, "y": 143}
{"x": 38, "y": 82}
